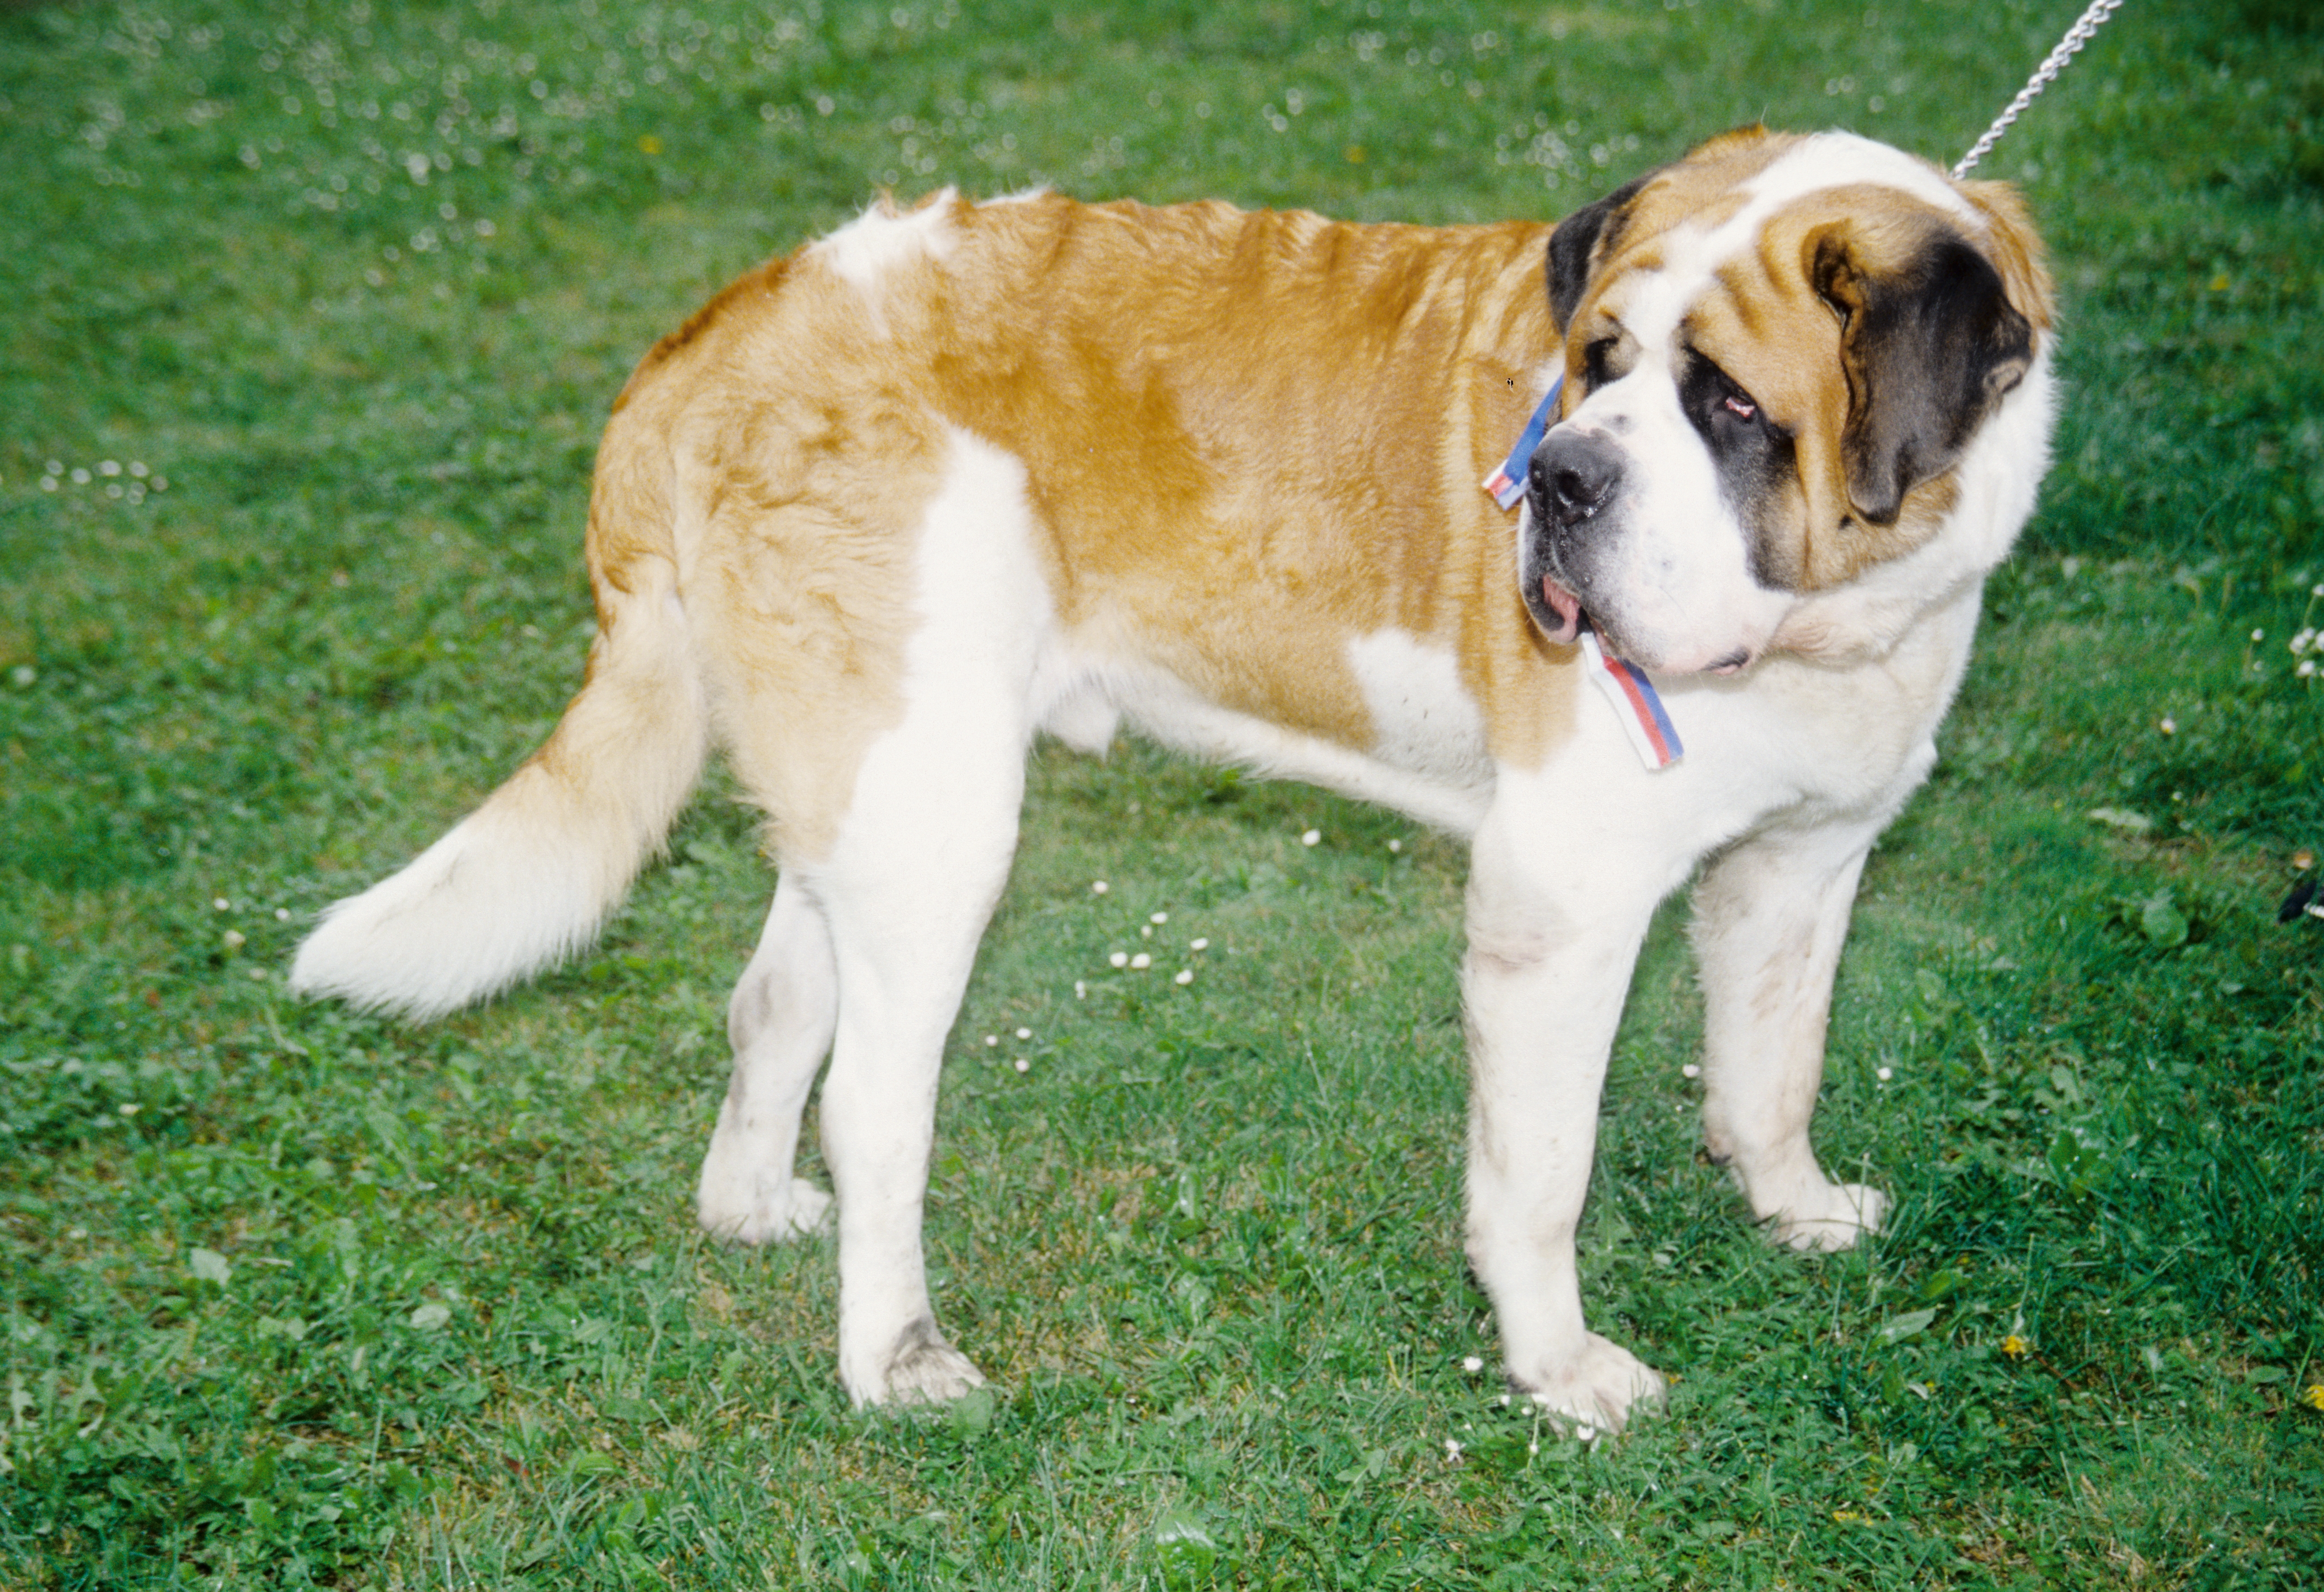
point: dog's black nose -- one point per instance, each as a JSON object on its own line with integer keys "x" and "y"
{"x": 1572, "y": 477}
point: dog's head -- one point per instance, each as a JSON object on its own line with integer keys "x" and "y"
{"x": 1777, "y": 352}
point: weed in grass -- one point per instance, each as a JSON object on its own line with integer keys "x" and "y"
{"x": 317, "y": 312}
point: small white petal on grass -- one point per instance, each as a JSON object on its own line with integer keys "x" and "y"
{"x": 1119, "y": 959}
{"x": 1472, "y": 1364}
{"x": 1098, "y": 886}
{"x": 1690, "y": 1071}
{"x": 1141, "y": 961}
{"x": 1198, "y": 944}
{"x": 1024, "y": 1034}
{"x": 1585, "y": 1434}
{"x": 1884, "y": 1074}
{"x": 1312, "y": 837}
{"x": 1081, "y": 990}
{"x": 1159, "y": 918}
{"x": 1185, "y": 976}
{"x": 220, "y": 904}
{"x": 1395, "y": 845}
{"x": 1022, "y": 1066}
{"x": 993, "y": 1039}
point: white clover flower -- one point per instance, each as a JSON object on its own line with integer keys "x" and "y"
{"x": 1185, "y": 976}
{"x": 1024, "y": 1034}
{"x": 1022, "y": 1066}
{"x": 1690, "y": 1071}
{"x": 1141, "y": 961}
{"x": 1098, "y": 886}
{"x": 1198, "y": 944}
{"x": 1312, "y": 837}
{"x": 1159, "y": 918}
{"x": 1472, "y": 1364}
{"x": 1119, "y": 959}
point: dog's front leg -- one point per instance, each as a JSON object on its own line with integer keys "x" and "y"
{"x": 1555, "y": 918}
{"x": 1769, "y": 917}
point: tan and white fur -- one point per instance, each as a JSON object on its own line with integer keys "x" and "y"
{"x": 963, "y": 474}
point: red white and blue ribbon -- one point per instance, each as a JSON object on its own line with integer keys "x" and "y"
{"x": 1637, "y": 705}
{"x": 1507, "y": 484}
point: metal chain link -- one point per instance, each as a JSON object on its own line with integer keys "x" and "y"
{"x": 2043, "y": 75}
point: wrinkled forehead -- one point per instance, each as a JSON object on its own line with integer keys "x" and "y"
{"x": 1705, "y": 224}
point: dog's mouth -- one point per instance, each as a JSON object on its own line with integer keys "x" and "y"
{"x": 1567, "y": 606}
{"x": 1564, "y": 604}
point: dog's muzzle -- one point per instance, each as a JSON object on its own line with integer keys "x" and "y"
{"x": 1571, "y": 478}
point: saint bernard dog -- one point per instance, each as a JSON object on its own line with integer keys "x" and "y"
{"x": 964, "y": 473}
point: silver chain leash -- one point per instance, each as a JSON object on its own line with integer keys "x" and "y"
{"x": 2043, "y": 75}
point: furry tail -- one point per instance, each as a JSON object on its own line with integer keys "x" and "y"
{"x": 532, "y": 874}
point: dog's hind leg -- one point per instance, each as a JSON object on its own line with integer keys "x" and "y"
{"x": 906, "y": 888}
{"x": 780, "y": 1022}
{"x": 1769, "y": 917}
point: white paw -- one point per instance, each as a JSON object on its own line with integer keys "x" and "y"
{"x": 920, "y": 1369}
{"x": 1834, "y": 1219}
{"x": 1596, "y": 1391}
{"x": 750, "y": 1212}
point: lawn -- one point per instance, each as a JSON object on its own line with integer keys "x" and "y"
{"x": 313, "y": 313}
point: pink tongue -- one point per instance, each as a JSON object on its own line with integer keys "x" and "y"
{"x": 1569, "y": 611}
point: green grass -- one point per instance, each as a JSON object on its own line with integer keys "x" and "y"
{"x": 295, "y": 1296}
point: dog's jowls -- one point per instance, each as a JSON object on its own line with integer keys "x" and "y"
{"x": 962, "y": 473}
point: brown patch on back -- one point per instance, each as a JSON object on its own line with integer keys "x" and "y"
{"x": 1253, "y": 437}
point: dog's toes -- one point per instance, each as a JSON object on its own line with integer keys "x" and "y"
{"x": 749, "y": 1215}
{"x": 1596, "y": 1392}
{"x": 922, "y": 1368}
{"x": 1846, "y": 1212}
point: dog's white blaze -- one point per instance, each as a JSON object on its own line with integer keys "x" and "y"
{"x": 1423, "y": 719}
{"x": 1833, "y": 159}
{"x": 881, "y": 239}
{"x": 1681, "y": 584}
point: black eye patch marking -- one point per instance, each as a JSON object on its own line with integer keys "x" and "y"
{"x": 1757, "y": 462}
{"x": 1597, "y": 361}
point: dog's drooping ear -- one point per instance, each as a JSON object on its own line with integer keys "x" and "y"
{"x": 1930, "y": 342}
{"x": 1581, "y": 242}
